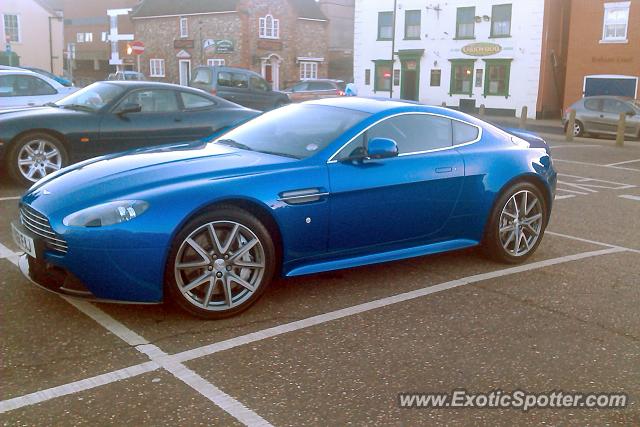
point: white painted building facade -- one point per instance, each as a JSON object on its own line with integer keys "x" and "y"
{"x": 460, "y": 52}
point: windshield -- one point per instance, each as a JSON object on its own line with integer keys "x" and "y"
{"x": 92, "y": 97}
{"x": 298, "y": 131}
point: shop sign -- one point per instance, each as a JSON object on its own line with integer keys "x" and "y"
{"x": 481, "y": 49}
{"x": 183, "y": 44}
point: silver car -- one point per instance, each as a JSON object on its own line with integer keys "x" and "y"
{"x": 23, "y": 88}
{"x": 599, "y": 115}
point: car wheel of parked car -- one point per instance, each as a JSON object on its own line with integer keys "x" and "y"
{"x": 220, "y": 263}
{"x": 578, "y": 128}
{"x": 35, "y": 156}
{"x": 516, "y": 225}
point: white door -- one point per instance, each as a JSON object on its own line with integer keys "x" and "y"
{"x": 185, "y": 71}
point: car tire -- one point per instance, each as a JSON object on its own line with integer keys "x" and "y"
{"x": 216, "y": 277}
{"x": 34, "y": 156}
{"x": 578, "y": 128}
{"x": 511, "y": 221}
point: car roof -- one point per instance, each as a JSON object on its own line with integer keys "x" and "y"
{"x": 146, "y": 84}
{"x": 21, "y": 71}
{"x": 368, "y": 105}
{"x": 620, "y": 98}
{"x": 225, "y": 68}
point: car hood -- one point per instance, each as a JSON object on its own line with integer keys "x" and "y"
{"x": 123, "y": 175}
{"x": 36, "y": 112}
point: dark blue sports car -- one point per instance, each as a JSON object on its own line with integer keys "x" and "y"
{"x": 308, "y": 188}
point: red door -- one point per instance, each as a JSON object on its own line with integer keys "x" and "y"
{"x": 267, "y": 73}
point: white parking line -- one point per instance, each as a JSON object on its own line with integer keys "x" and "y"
{"x": 594, "y": 242}
{"x": 2, "y": 199}
{"x": 595, "y": 164}
{"x": 173, "y": 363}
{"x": 566, "y": 196}
{"x": 8, "y": 254}
{"x": 630, "y": 197}
{"x": 577, "y": 146}
{"x": 624, "y": 163}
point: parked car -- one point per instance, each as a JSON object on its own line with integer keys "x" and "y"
{"x": 307, "y": 188}
{"x": 62, "y": 80}
{"x": 126, "y": 75}
{"x": 238, "y": 85}
{"x": 108, "y": 117}
{"x": 307, "y": 90}
{"x": 599, "y": 115}
{"x": 23, "y": 88}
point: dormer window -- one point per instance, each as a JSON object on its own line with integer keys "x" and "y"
{"x": 269, "y": 27}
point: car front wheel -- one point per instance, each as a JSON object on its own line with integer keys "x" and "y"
{"x": 220, "y": 264}
{"x": 517, "y": 224}
{"x": 35, "y": 156}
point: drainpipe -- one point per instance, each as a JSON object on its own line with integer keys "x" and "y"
{"x": 393, "y": 46}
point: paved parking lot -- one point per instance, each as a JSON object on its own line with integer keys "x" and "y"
{"x": 338, "y": 348}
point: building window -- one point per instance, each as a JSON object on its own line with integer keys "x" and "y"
{"x": 12, "y": 28}
{"x": 479, "y": 77}
{"x": 465, "y": 23}
{"x": 215, "y": 62}
{"x": 84, "y": 37}
{"x": 496, "y": 80}
{"x": 385, "y": 25}
{"x": 308, "y": 70}
{"x": 436, "y": 77}
{"x": 367, "y": 77}
{"x": 396, "y": 77}
{"x": 156, "y": 68}
{"x": 184, "y": 27}
{"x": 382, "y": 78}
{"x": 501, "y": 20}
{"x": 616, "y": 22}
{"x": 104, "y": 36}
{"x": 461, "y": 76}
{"x": 412, "y": 24}
{"x": 269, "y": 27}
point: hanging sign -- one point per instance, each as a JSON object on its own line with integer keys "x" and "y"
{"x": 481, "y": 49}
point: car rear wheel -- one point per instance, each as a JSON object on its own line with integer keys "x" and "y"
{"x": 578, "y": 128}
{"x": 220, "y": 264}
{"x": 517, "y": 224}
{"x": 35, "y": 156}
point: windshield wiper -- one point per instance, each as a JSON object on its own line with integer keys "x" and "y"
{"x": 51, "y": 104}
{"x": 79, "y": 107}
{"x": 235, "y": 144}
{"x": 276, "y": 153}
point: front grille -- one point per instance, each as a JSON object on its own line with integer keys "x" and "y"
{"x": 38, "y": 224}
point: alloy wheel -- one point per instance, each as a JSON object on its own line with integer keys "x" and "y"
{"x": 577, "y": 130}
{"x": 38, "y": 158}
{"x": 521, "y": 223}
{"x": 220, "y": 265}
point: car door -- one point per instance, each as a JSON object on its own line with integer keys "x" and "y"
{"x": 159, "y": 121}
{"x": 234, "y": 86}
{"x": 590, "y": 114}
{"x": 261, "y": 93}
{"x": 201, "y": 116}
{"x": 397, "y": 201}
{"x": 321, "y": 90}
{"x": 611, "y": 109}
{"x": 21, "y": 90}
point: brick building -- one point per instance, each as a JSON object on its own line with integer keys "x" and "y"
{"x": 340, "y": 14}
{"x": 604, "y": 49}
{"x": 284, "y": 40}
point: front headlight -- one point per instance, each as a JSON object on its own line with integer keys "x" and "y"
{"x": 106, "y": 214}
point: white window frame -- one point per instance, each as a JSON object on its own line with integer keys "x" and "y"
{"x": 615, "y": 6}
{"x": 84, "y": 37}
{"x": 156, "y": 67}
{"x": 216, "y": 62}
{"x": 19, "y": 27}
{"x": 105, "y": 36}
{"x": 308, "y": 70}
{"x": 269, "y": 27}
{"x": 184, "y": 27}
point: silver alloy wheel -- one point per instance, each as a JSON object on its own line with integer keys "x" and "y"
{"x": 38, "y": 158}
{"x": 520, "y": 223}
{"x": 576, "y": 129}
{"x": 220, "y": 265}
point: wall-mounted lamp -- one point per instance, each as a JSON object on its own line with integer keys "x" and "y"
{"x": 435, "y": 63}
{"x": 486, "y": 18}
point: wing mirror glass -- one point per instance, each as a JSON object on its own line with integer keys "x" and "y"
{"x": 130, "y": 107}
{"x": 631, "y": 113}
{"x": 382, "y": 148}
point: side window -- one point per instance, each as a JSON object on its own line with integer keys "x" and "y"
{"x": 614, "y": 106}
{"x": 6, "y": 86}
{"x": 202, "y": 75}
{"x": 153, "y": 101}
{"x": 258, "y": 84}
{"x": 320, "y": 86}
{"x": 224, "y": 79}
{"x": 194, "y": 102}
{"x": 593, "y": 104}
{"x": 300, "y": 87}
{"x": 463, "y": 132}
{"x": 40, "y": 87}
{"x": 239, "y": 80}
{"x": 414, "y": 132}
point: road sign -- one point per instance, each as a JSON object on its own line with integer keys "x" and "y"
{"x": 137, "y": 48}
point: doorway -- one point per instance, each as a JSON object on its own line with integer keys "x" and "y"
{"x": 184, "y": 68}
{"x": 271, "y": 70}
{"x": 410, "y": 73}
{"x": 409, "y": 86}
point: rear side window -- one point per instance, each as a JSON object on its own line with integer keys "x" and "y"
{"x": 414, "y": 132}
{"x": 193, "y": 102}
{"x": 463, "y": 132}
{"x": 593, "y": 104}
{"x": 321, "y": 86}
{"x": 24, "y": 86}
{"x": 615, "y": 106}
{"x": 153, "y": 101}
{"x": 202, "y": 76}
{"x": 258, "y": 84}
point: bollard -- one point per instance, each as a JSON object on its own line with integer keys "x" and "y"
{"x": 523, "y": 117}
{"x": 444, "y": 104}
{"x": 481, "y": 111}
{"x": 621, "y": 127}
{"x": 570, "y": 123}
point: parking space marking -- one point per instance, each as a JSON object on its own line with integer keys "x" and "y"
{"x": 8, "y": 254}
{"x": 2, "y": 199}
{"x": 372, "y": 305}
{"x": 565, "y": 196}
{"x": 583, "y": 185}
{"x": 630, "y": 197}
{"x": 593, "y": 242}
{"x": 624, "y": 163}
{"x": 595, "y": 164}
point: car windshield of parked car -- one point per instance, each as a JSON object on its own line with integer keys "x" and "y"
{"x": 92, "y": 97}
{"x": 297, "y": 131}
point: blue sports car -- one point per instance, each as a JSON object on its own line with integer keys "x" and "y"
{"x": 307, "y": 188}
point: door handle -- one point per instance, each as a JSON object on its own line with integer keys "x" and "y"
{"x": 602, "y": 116}
{"x": 177, "y": 119}
{"x": 444, "y": 169}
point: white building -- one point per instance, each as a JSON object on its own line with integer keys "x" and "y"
{"x": 460, "y": 52}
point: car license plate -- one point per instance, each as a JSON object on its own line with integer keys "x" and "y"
{"x": 23, "y": 241}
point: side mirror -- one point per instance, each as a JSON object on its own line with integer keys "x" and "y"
{"x": 382, "y": 148}
{"x": 129, "y": 107}
{"x": 631, "y": 113}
